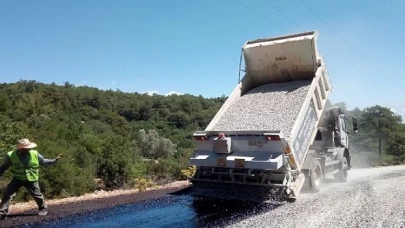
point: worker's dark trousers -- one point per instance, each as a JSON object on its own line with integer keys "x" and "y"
{"x": 12, "y": 189}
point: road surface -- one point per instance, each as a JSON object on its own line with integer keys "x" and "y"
{"x": 372, "y": 197}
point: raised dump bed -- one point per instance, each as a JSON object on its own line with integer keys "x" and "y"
{"x": 284, "y": 90}
{"x": 280, "y": 59}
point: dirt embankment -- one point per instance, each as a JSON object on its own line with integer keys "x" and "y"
{"x": 22, "y": 213}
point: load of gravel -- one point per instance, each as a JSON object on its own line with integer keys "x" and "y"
{"x": 272, "y": 106}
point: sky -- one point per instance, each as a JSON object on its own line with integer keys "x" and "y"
{"x": 194, "y": 46}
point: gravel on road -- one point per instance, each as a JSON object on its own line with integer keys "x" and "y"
{"x": 272, "y": 106}
{"x": 372, "y": 197}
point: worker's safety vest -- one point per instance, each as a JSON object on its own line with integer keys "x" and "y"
{"x": 22, "y": 172}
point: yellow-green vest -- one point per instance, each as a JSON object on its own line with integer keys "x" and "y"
{"x": 22, "y": 172}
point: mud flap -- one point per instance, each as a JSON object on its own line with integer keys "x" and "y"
{"x": 299, "y": 183}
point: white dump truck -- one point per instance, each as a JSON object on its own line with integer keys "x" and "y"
{"x": 274, "y": 131}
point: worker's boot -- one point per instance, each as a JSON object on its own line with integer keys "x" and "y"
{"x": 43, "y": 211}
{"x": 3, "y": 215}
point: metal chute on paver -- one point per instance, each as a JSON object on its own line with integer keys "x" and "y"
{"x": 274, "y": 131}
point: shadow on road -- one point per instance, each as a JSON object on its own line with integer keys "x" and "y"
{"x": 11, "y": 216}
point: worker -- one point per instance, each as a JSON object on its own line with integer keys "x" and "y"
{"x": 24, "y": 163}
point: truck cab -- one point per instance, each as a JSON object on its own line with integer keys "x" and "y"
{"x": 331, "y": 146}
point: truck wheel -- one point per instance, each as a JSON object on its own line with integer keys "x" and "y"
{"x": 315, "y": 180}
{"x": 343, "y": 170}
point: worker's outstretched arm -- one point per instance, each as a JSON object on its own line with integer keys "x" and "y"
{"x": 47, "y": 162}
{"x": 6, "y": 164}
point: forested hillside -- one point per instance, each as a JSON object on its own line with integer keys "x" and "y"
{"x": 110, "y": 135}
{"x": 118, "y": 137}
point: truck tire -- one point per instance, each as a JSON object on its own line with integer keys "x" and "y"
{"x": 343, "y": 170}
{"x": 316, "y": 177}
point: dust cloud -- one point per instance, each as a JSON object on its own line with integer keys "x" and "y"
{"x": 362, "y": 158}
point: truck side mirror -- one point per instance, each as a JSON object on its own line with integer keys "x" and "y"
{"x": 355, "y": 127}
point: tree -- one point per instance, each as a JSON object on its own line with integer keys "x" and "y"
{"x": 341, "y": 105}
{"x": 375, "y": 120}
{"x": 114, "y": 164}
{"x": 10, "y": 132}
{"x": 396, "y": 145}
{"x": 152, "y": 146}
